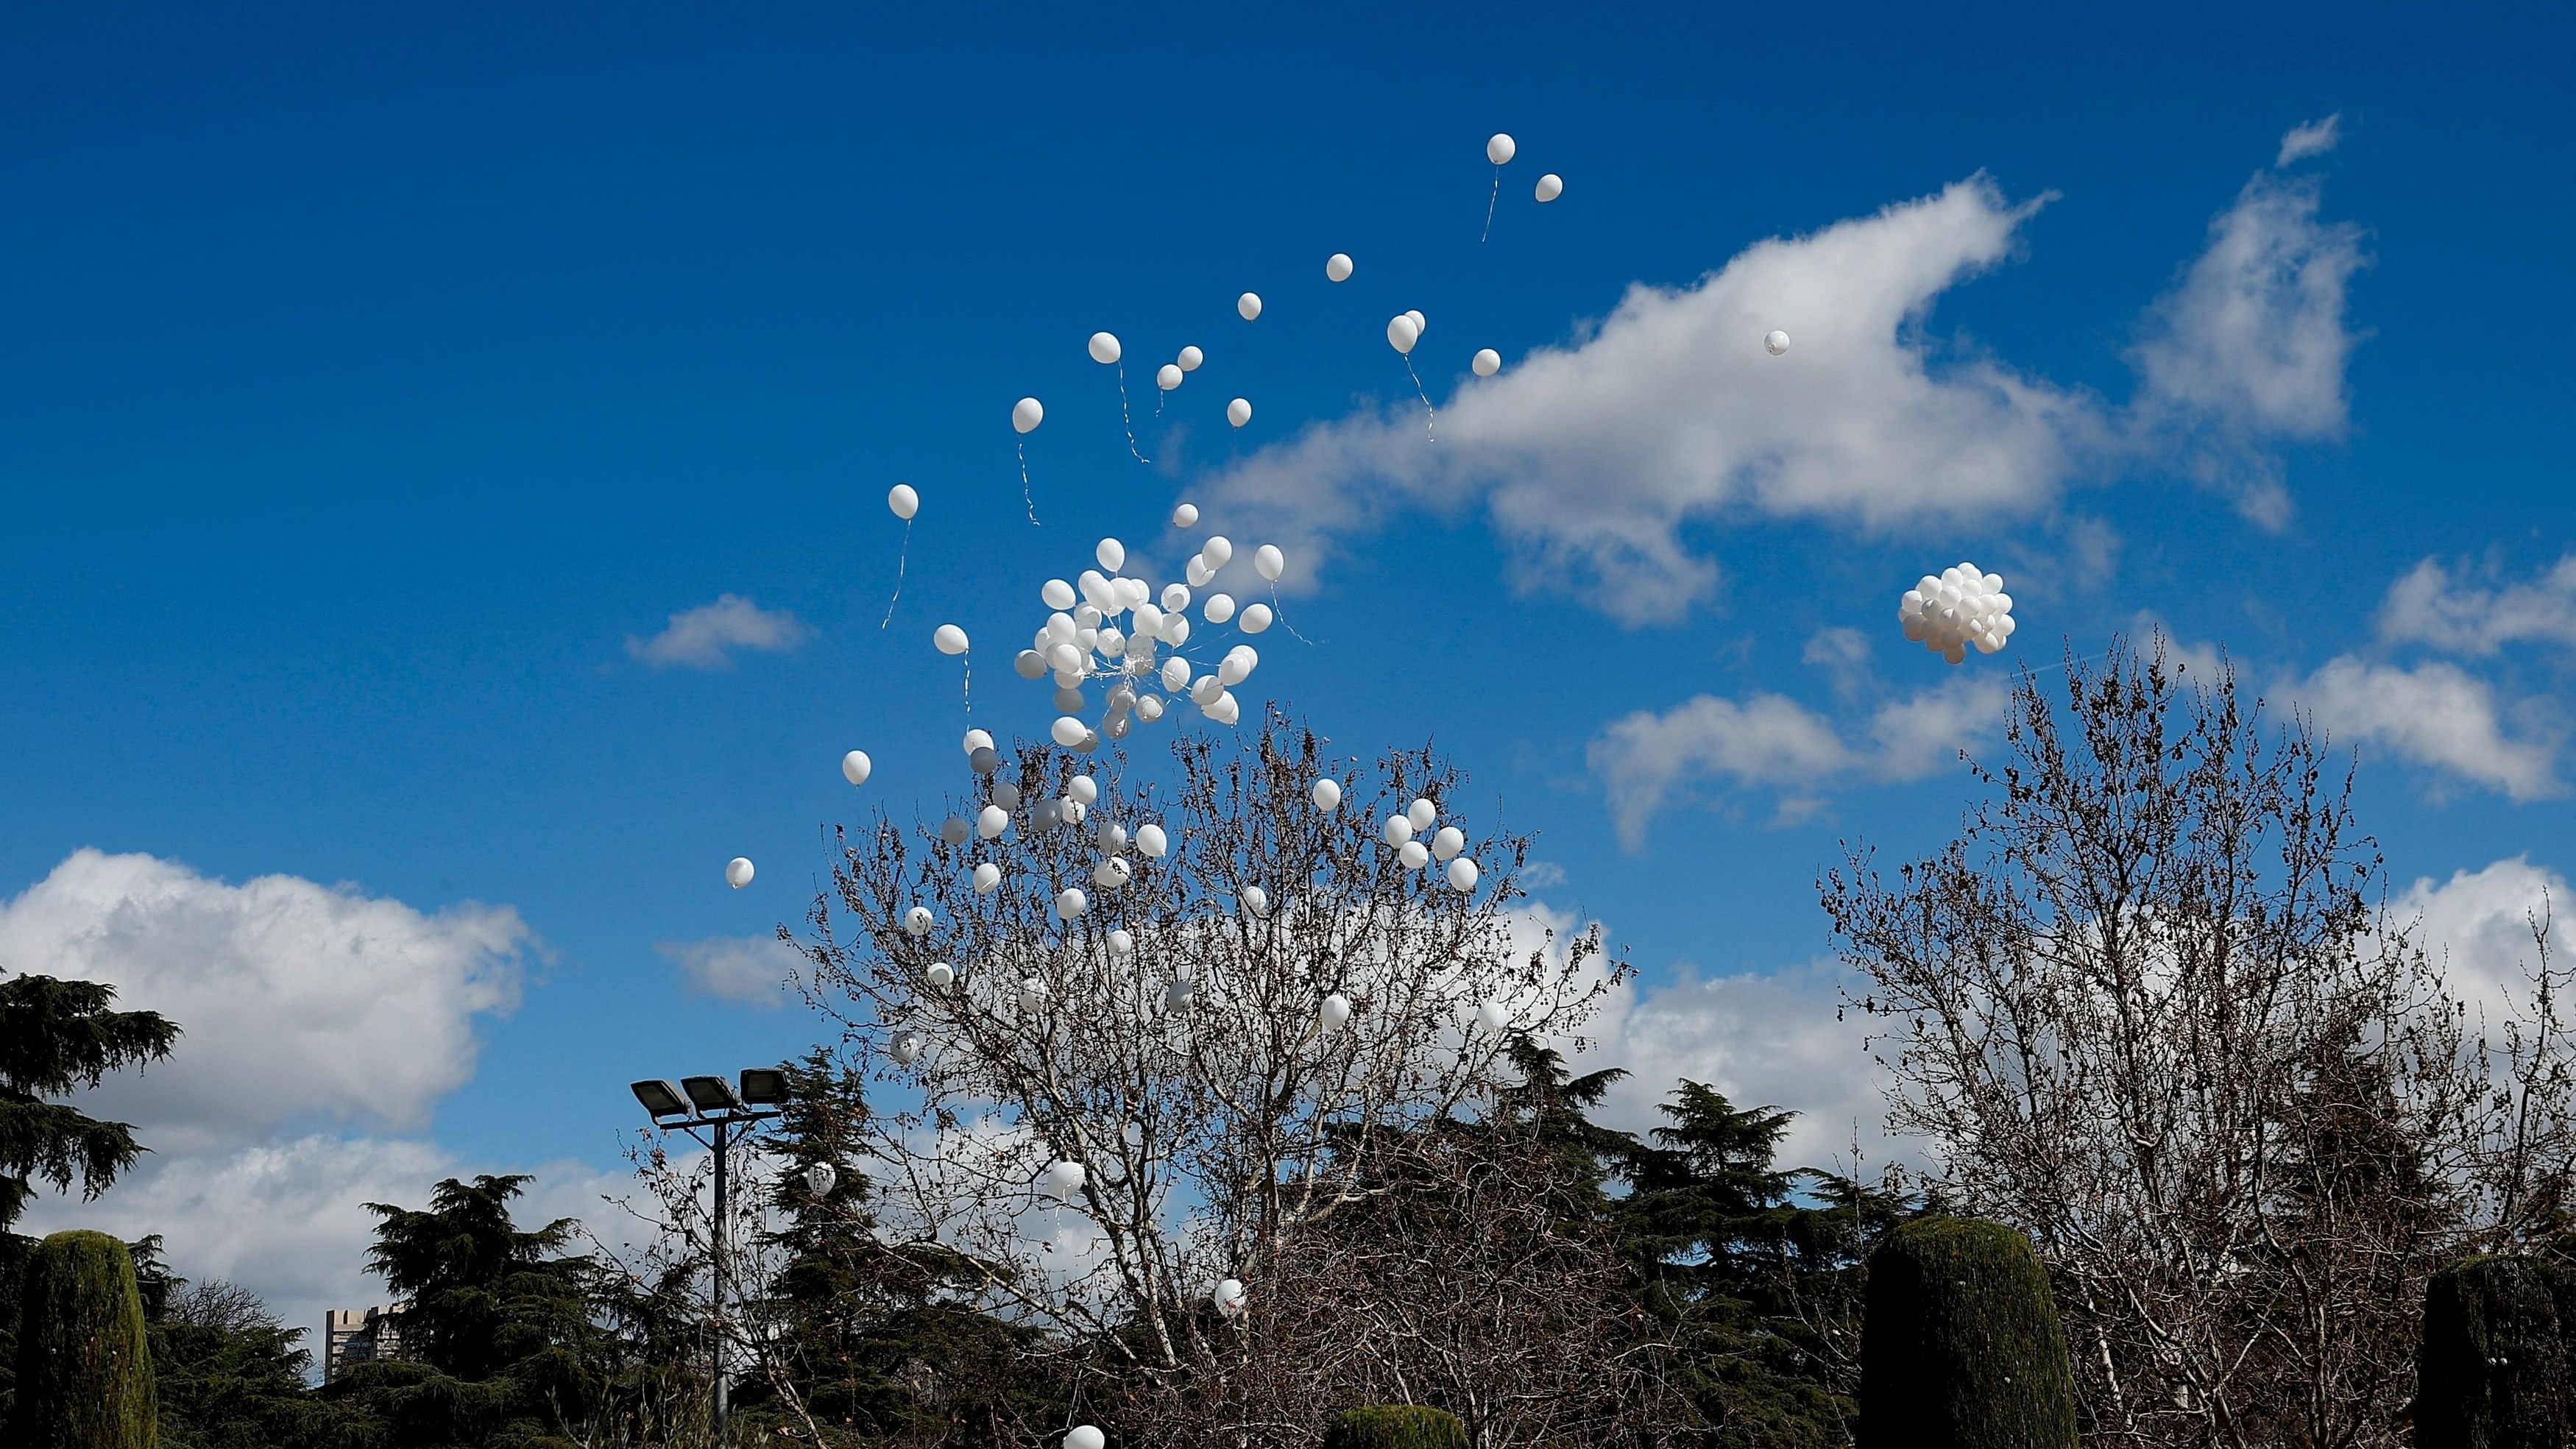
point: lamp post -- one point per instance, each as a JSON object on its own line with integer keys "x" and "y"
{"x": 713, "y": 1105}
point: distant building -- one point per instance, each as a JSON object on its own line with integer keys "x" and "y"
{"x": 353, "y": 1336}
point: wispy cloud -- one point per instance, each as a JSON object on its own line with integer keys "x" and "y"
{"x": 1771, "y": 742}
{"x": 2434, "y": 714}
{"x": 752, "y": 970}
{"x": 1593, "y": 458}
{"x": 2428, "y": 606}
{"x": 702, "y": 638}
{"x": 2314, "y": 138}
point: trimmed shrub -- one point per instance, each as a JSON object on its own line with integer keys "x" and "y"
{"x": 1961, "y": 1347}
{"x": 2495, "y": 1370}
{"x": 1396, "y": 1426}
{"x": 84, "y": 1356}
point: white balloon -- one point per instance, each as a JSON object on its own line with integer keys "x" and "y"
{"x": 1064, "y": 1179}
{"x": 1421, "y": 323}
{"x": 1420, "y": 814}
{"x": 954, "y": 830}
{"x": 1219, "y": 608}
{"x": 1447, "y": 844}
{"x": 1168, "y": 376}
{"x": 1237, "y": 665}
{"x": 1176, "y": 674}
{"x": 1500, "y": 149}
{"x": 1121, "y": 944}
{"x": 1256, "y": 900}
{"x": 949, "y": 639}
{"x": 1112, "y": 836}
{"x": 1112, "y": 874}
{"x": 1775, "y": 342}
{"x": 1412, "y": 856}
{"x": 991, "y": 821}
{"x": 1550, "y": 187}
{"x": 1067, "y": 731}
{"x": 1486, "y": 362}
{"x": 1337, "y": 267}
{"x": 1033, "y": 995}
{"x": 1401, "y": 334}
{"x": 1176, "y": 628}
{"x": 907, "y": 1048}
{"x": 1398, "y": 830}
{"x": 1205, "y": 689}
{"x": 940, "y": 973}
{"x": 903, "y": 501}
{"x": 1327, "y": 794}
{"x": 1337, "y": 1010}
{"x": 1230, "y": 1299}
{"x": 855, "y": 766}
{"x": 1491, "y": 1016}
{"x": 1256, "y": 617}
{"x": 1104, "y": 348}
{"x": 1065, "y": 658}
{"x": 1057, "y": 594}
{"x": 1462, "y": 874}
{"x": 987, "y": 876}
{"x": 1084, "y": 789}
{"x": 1149, "y": 709}
{"x": 1150, "y": 840}
{"x": 1111, "y": 553}
{"x": 917, "y": 921}
{"x": 1269, "y": 562}
{"x": 1071, "y": 902}
{"x": 1191, "y": 359}
{"x": 1026, "y": 414}
{"x": 1083, "y": 1436}
{"x": 1248, "y": 306}
{"x": 1185, "y": 516}
{"x": 974, "y": 740}
{"x": 738, "y": 872}
{"x": 1238, "y": 412}
{"x": 1197, "y": 572}
{"x": 1218, "y": 550}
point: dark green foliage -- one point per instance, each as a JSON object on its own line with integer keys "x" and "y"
{"x": 84, "y": 1361}
{"x": 229, "y": 1375}
{"x": 1961, "y": 1347}
{"x": 1758, "y": 1278}
{"x": 2498, "y": 1365}
{"x": 499, "y": 1332}
{"x": 55, "y": 1037}
{"x": 1395, "y": 1426}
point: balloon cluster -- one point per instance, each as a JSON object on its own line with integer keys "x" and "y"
{"x": 1112, "y": 629}
{"x": 1965, "y": 607}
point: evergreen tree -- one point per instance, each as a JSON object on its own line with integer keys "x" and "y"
{"x": 1762, "y": 1280}
{"x": 84, "y": 1361}
{"x": 230, "y": 1375}
{"x": 498, "y": 1338}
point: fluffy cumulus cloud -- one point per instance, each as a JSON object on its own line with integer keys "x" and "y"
{"x": 1594, "y": 457}
{"x": 749, "y": 969}
{"x": 1770, "y": 742}
{"x": 2479, "y": 924}
{"x": 2462, "y": 614}
{"x": 2436, "y": 715}
{"x": 706, "y": 636}
{"x": 313, "y": 1016}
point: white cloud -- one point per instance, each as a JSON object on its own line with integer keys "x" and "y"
{"x": 749, "y": 969}
{"x": 300, "y": 1004}
{"x": 2251, "y": 346}
{"x": 2427, "y": 606}
{"x": 1770, "y": 741}
{"x": 2434, "y": 714}
{"x": 701, "y": 637}
{"x": 299, "y": 1001}
{"x": 1592, "y": 457}
{"x": 2313, "y": 138}
{"x": 2477, "y": 923}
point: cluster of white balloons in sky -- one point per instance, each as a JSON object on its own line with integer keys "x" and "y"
{"x": 1111, "y": 628}
{"x": 1965, "y": 607}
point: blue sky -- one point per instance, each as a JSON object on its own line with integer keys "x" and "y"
{"x": 368, "y": 382}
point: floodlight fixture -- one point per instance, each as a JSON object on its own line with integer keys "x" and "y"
{"x": 661, "y": 1099}
{"x": 764, "y": 1086}
{"x": 711, "y": 1094}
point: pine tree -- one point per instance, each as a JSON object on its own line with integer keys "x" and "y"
{"x": 56, "y": 1037}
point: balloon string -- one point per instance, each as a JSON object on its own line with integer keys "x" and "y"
{"x": 1429, "y": 413}
{"x": 1489, "y": 206}
{"x": 970, "y": 684}
{"x": 1128, "y": 418}
{"x": 1281, "y": 615}
{"x": 900, "y": 559}
{"x": 1025, "y": 499}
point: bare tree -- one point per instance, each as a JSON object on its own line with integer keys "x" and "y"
{"x": 2149, "y": 1007}
{"x": 1253, "y": 1010}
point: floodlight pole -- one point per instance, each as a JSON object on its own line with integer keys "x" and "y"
{"x": 730, "y": 1125}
